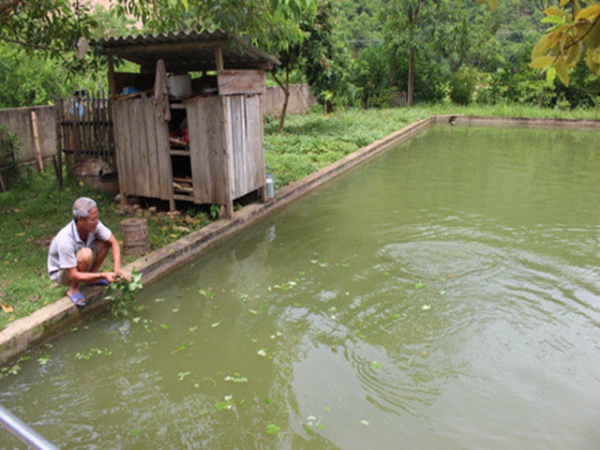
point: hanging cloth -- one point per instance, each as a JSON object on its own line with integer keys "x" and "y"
{"x": 161, "y": 91}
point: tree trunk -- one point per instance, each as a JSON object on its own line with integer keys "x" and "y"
{"x": 411, "y": 77}
{"x": 286, "y": 96}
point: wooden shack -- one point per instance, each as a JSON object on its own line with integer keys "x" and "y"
{"x": 196, "y": 135}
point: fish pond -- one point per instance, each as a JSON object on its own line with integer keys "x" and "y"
{"x": 446, "y": 295}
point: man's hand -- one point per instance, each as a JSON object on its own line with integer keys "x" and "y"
{"x": 124, "y": 274}
{"x": 111, "y": 277}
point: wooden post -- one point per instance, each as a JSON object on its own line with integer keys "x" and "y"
{"x": 112, "y": 87}
{"x": 227, "y": 144}
{"x": 219, "y": 58}
{"x": 59, "y": 141}
{"x": 36, "y": 142}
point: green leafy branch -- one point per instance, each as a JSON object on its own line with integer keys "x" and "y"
{"x": 122, "y": 294}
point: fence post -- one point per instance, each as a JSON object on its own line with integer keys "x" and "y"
{"x": 58, "y": 104}
{"x": 36, "y": 142}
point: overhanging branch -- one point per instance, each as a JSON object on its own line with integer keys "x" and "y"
{"x": 7, "y": 5}
{"x": 30, "y": 45}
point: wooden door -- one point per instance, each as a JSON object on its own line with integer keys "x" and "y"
{"x": 142, "y": 147}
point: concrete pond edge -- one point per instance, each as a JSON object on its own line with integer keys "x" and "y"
{"x": 52, "y": 320}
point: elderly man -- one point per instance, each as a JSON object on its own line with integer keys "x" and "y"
{"x": 79, "y": 249}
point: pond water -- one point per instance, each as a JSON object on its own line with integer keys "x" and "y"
{"x": 443, "y": 296}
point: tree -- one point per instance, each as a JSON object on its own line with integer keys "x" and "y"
{"x": 29, "y": 77}
{"x": 358, "y": 24}
{"x": 272, "y": 23}
{"x": 322, "y": 63}
{"x": 290, "y": 60}
{"x": 573, "y": 30}
{"x": 53, "y": 27}
{"x": 405, "y": 27}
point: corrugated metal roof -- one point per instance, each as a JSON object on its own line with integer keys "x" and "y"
{"x": 186, "y": 51}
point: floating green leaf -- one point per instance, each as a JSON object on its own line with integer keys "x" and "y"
{"x": 207, "y": 293}
{"x": 272, "y": 428}
{"x": 237, "y": 379}
{"x": 222, "y": 405}
{"x": 179, "y": 349}
{"x": 227, "y": 404}
{"x": 182, "y": 375}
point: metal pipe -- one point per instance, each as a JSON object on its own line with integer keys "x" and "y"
{"x": 23, "y": 432}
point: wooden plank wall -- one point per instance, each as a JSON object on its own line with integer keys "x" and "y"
{"x": 231, "y": 82}
{"x": 208, "y": 152}
{"x": 142, "y": 140}
{"x": 255, "y": 139}
{"x": 246, "y": 140}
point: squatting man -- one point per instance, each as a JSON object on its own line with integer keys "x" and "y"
{"x": 79, "y": 249}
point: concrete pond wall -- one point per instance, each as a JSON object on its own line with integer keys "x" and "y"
{"x": 54, "y": 319}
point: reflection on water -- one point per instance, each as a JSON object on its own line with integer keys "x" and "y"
{"x": 444, "y": 296}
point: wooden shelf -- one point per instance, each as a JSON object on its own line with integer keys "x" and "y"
{"x": 187, "y": 198}
{"x": 180, "y": 152}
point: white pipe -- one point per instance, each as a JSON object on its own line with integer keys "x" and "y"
{"x": 23, "y": 432}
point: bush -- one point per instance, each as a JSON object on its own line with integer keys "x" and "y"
{"x": 9, "y": 157}
{"x": 464, "y": 82}
{"x": 524, "y": 87}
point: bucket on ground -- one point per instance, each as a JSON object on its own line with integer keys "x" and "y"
{"x": 134, "y": 232}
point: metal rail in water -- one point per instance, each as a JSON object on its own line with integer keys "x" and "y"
{"x": 23, "y": 432}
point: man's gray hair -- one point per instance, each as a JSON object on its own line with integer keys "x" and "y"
{"x": 82, "y": 207}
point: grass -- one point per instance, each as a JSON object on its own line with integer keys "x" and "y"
{"x": 34, "y": 210}
{"x": 312, "y": 141}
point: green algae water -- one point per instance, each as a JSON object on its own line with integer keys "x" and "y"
{"x": 444, "y": 296}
